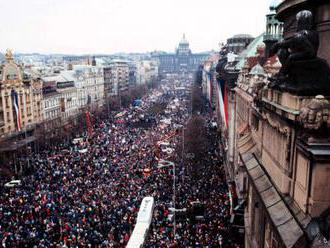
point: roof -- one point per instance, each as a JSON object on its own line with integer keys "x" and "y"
{"x": 273, "y": 4}
{"x": 250, "y": 51}
{"x": 285, "y": 223}
{"x": 2, "y": 57}
{"x": 214, "y": 57}
{"x": 257, "y": 70}
{"x": 50, "y": 78}
{"x": 184, "y": 40}
{"x": 68, "y": 75}
{"x": 242, "y": 36}
{"x": 119, "y": 61}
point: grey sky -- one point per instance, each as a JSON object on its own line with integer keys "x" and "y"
{"x": 107, "y": 26}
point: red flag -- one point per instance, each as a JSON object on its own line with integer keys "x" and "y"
{"x": 89, "y": 123}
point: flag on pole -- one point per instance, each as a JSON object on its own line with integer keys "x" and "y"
{"x": 14, "y": 97}
{"x": 223, "y": 101}
{"x": 89, "y": 123}
{"x": 210, "y": 82}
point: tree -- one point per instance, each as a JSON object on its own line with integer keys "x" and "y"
{"x": 197, "y": 99}
{"x": 195, "y": 139}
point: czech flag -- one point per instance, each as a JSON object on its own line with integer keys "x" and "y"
{"x": 14, "y": 97}
{"x": 223, "y": 101}
{"x": 210, "y": 82}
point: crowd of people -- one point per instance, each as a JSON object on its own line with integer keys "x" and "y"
{"x": 202, "y": 208}
{"x": 87, "y": 193}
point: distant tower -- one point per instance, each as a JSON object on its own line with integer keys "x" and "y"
{"x": 70, "y": 67}
{"x": 93, "y": 61}
{"x": 274, "y": 28}
{"x": 183, "y": 48}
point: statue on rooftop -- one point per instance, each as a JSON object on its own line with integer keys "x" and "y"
{"x": 302, "y": 72}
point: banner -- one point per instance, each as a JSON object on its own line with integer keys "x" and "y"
{"x": 62, "y": 104}
{"x": 209, "y": 86}
{"x": 14, "y": 97}
{"x": 223, "y": 101}
{"x": 89, "y": 123}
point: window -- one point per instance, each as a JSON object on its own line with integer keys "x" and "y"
{"x": 6, "y": 102}
{"x": 279, "y": 143}
{"x": 255, "y": 122}
{"x": 27, "y": 97}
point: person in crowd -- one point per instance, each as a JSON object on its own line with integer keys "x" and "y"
{"x": 88, "y": 193}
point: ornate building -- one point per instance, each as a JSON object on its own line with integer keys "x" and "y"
{"x": 182, "y": 61}
{"x": 89, "y": 82}
{"x": 238, "y": 43}
{"x": 20, "y": 105}
{"x": 274, "y": 28}
{"x": 276, "y": 143}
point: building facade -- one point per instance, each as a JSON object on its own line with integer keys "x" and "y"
{"x": 238, "y": 43}
{"x": 116, "y": 78}
{"x": 277, "y": 149}
{"x": 51, "y": 121}
{"x": 20, "y": 107}
{"x": 147, "y": 70}
{"x": 37, "y": 97}
{"x": 274, "y": 28}
{"x": 89, "y": 82}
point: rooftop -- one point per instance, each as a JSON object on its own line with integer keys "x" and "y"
{"x": 242, "y": 36}
{"x": 184, "y": 40}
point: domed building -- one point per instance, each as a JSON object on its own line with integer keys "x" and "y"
{"x": 182, "y": 61}
{"x": 238, "y": 43}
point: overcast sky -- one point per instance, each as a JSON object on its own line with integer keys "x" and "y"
{"x": 108, "y": 26}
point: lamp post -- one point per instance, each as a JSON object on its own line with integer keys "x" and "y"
{"x": 182, "y": 155}
{"x": 174, "y": 199}
{"x": 165, "y": 163}
{"x": 26, "y": 147}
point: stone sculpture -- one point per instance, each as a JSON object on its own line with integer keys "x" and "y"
{"x": 315, "y": 118}
{"x": 302, "y": 72}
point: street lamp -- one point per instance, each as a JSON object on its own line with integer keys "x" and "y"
{"x": 165, "y": 163}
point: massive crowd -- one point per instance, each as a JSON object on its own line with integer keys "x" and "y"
{"x": 202, "y": 201}
{"x": 87, "y": 193}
